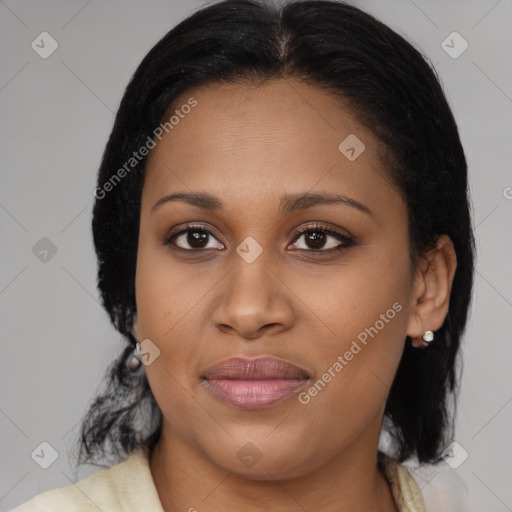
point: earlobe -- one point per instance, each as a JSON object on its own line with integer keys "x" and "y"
{"x": 431, "y": 299}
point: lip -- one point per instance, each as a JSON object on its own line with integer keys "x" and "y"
{"x": 252, "y": 383}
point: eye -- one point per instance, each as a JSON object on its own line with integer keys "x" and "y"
{"x": 317, "y": 237}
{"x": 195, "y": 236}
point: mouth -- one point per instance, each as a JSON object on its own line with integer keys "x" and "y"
{"x": 253, "y": 383}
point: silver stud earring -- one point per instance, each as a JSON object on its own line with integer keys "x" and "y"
{"x": 135, "y": 362}
{"x": 428, "y": 337}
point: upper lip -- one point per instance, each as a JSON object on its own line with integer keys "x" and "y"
{"x": 255, "y": 368}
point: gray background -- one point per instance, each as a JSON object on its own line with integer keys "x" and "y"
{"x": 56, "y": 115}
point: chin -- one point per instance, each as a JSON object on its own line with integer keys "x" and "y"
{"x": 263, "y": 458}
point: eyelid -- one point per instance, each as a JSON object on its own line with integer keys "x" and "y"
{"x": 322, "y": 226}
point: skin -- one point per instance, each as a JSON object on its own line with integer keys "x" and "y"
{"x": 248, "y": 146}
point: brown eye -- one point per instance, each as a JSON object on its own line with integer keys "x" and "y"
{"x": 196, "y": 237}
{"x": 318, "y": 239}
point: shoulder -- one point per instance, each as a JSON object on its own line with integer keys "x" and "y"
{"x": 405, "y": 490}
{"x": 443, "y": 489}
{"x": 419, "y": 488}
{"x": 127, "y": 486}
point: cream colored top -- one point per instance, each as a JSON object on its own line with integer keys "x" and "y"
{"x": 129, "y": 487}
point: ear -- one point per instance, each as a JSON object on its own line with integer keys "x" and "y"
{"x": 432, "y": 289}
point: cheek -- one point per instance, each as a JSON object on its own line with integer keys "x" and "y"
{"x": 165, "y": 309}
{"x": 365, "y": 307}
{"x": 355, "y": 296}
{"x": 163, "y": 297}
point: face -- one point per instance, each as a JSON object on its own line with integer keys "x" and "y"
{"x": 321, "y": 287}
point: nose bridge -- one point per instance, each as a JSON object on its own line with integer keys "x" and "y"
{"x": 251, "y": 279}
{"x": 252, "y": 295}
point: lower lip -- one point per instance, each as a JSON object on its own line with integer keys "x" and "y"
{"x": 256, "y": 393}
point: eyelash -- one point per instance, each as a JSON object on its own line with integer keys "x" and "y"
{"x": 345, "y": 240}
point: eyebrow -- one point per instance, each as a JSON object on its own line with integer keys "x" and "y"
{"x": 288, "y": 202}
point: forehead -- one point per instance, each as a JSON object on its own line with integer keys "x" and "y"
{"x": 246, "y": 142}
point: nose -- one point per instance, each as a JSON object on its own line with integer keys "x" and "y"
{"x": 253, "y": 301}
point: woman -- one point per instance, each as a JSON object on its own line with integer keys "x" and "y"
{"x": 278, "y": 243}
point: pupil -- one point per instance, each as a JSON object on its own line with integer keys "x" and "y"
{"x": 195, "y": 237}
{"x": 316, "y": 238}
